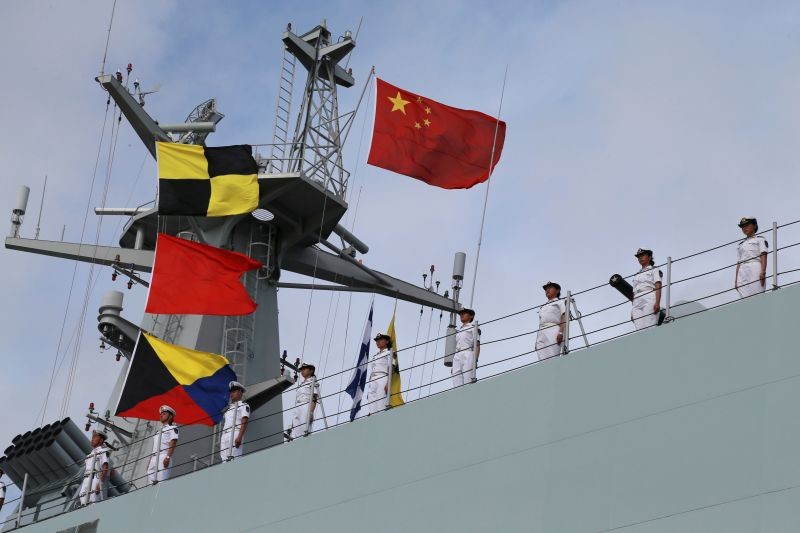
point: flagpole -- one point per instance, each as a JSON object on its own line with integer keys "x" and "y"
{"x": 488, "y": 182}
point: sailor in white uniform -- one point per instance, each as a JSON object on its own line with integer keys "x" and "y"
{"x": 305, "y": 402}
{"x": 96, "y": 472}
{"x": 646, "y": 291}
{"x": 468, "y": 348}
{"x": 550, "y": 336}
{"x": 2, "y": 490}
{"x": 235, "y": 424}
{"x": 751, "y": 268}
{"x": 160, "y": 465}
{"x": 378, "y": 385}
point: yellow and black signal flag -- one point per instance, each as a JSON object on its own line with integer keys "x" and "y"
{"x": 198, "y": 180}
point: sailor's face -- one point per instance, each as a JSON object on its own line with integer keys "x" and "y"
{"x": 466, "y": 318}
{"x": 551, "y": 292}
{"x": 305, "y": 372}
{"x": 748, "y": 229}
{"x": 381, "y": 344}
{"x": 644, "y": 259}
{"x": 165, "y": 417}
{"x": 97, "y": 440}
{"x": 236, "y": 395}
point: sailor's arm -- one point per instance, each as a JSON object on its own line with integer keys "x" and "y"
{"x": 170, "y": 451}
{"x": 242, "y": 429}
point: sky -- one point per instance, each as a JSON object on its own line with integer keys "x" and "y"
{"x": 630, "y": 124}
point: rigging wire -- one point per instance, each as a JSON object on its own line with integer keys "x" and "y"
{"x": 75, "y": 266}
{"x": 108, "y": 39}
{"x": 87, "y": 293}
{"x": 416, "y": 340}
{"x": 488, "y": 183}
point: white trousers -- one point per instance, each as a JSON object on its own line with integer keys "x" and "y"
{"x": 156, "y": 470}
{"x": 376, "y": 395}
{"x": 463, "y": 363}
{"x": 747, "y": 282}
{"x": 546, "y": 345}
{"x": 227, "y": 449}
{"x": 642, "y": 313}
{"x": 88, "y": 495}
{"x": 300, "y": 421}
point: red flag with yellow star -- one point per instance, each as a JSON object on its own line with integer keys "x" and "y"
{"x": 438, "y": 144}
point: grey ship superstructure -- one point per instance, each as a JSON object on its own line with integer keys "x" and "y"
{"x": 304, "y": 187}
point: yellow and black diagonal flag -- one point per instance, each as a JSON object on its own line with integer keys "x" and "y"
{"x": 201, "y": 181}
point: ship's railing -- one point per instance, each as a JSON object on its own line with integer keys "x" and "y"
{"x": 507, "y": 342}
{"x": 274, "y": 162}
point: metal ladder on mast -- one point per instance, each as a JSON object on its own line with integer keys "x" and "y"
{"x": 283, "y": 109}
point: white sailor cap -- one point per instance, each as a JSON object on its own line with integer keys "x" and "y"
{"x": 235, "y": 385}
{"x": 100, "y": 433}
{"x": 307, "y": 365}
{"x": 166, "y": 409}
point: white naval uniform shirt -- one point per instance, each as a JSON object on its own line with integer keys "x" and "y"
{"x": 750, "y": 249}
{"x": 235, "y": 412}
{"x": 379, "y": 367}
{"x": 103, "y": 456}
{"x": 303, "y": 396}
{"x": 645, "y": 280}
{"x": 465, "y": 337}
{"x": 162, "y": 438}
{"x": 550, "y": 313}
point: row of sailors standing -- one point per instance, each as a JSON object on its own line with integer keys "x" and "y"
{"x": 159, "y": 467}
{"x": 646, "y": 306}
{"x": 750, "y": 279}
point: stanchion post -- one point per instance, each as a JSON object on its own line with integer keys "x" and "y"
{"x": 669, "y": 286}
{"x": 775, "y": 256}
{"x": 22, "y": 499}
{"x": 566, "y": 322}
{"x": 474, "y": 376}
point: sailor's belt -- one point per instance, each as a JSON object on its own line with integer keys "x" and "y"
{"x": 379, "y": 374}
{"x": 464, "y": 348}
{"x": 547, "y": 324}
{"x": 645, "y": 291}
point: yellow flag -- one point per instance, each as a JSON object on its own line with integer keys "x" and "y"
{"x": 396, "y": 397}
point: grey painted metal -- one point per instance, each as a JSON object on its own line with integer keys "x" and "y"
{"x": 139, "y": 260}
{"x": 335, "y": 269}
{"x": 41, "y": 208}
{"x": 21, "y": 505}
{"x": 665, "y": 430}
{"x": 19, "y": 209}
{"x": 567, "y": 316}
{"x": 120, "y": 211}
{"x": 775, "y": 283}
{"x": 143, "y": 124}
{"x": 21, "y": 205}
{"x": 283, "y": 110}
{"x": 668, "y": 288}
{"x": 318, "y": 287}
{"x": 351, "y": 239}
{"x": 474, "y": 376}
{"x": 189, "y": 127}
{"x": 316, "y": 147}
{"x": 204, "y": 112}
{"x": 579, "y": 319}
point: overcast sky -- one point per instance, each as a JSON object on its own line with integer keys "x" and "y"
{"x": 630, "y": 124}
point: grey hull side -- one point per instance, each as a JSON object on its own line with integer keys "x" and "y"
{"x": 689, "y": 427}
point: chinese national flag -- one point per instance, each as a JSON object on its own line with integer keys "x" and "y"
{"x": 438, "y": 144}
{"x": 190, "y": 278}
